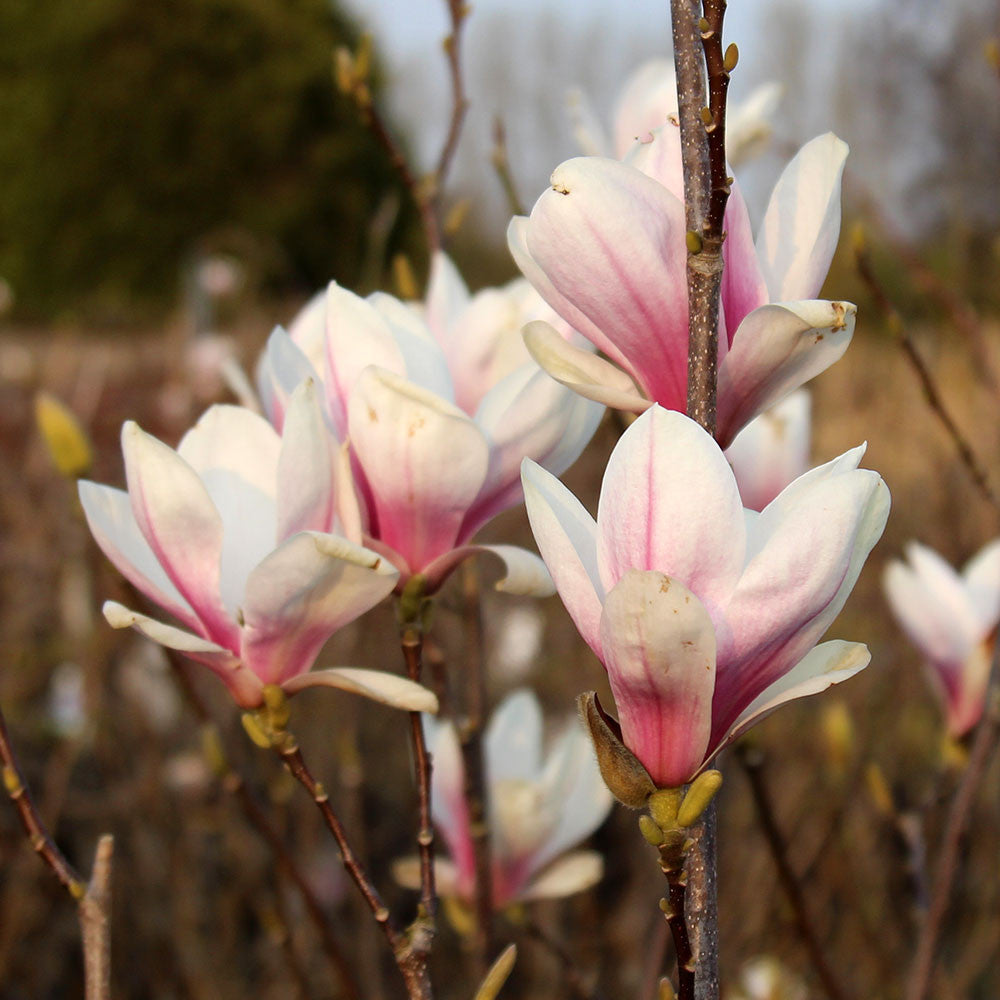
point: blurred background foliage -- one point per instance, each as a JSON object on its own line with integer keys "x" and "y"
{"x": 136, "y": 134}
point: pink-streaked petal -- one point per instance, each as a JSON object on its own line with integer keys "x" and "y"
{"x": 305, "y": 476}
{"x": 611, "y": 241}
{"x": 669, "y": 502}
{"x": 966, "y": 689}
{"x": 517, "y": 243}
{"x": 182, "y": 526}
{"x": 982, "y": 582}
{"x": 659, "y": 651}
{"x": 566, "y": 536}
{"x": 112, "y": 523}
{"x": 827, "y": 664}
{"x": 513, "y": 739}
{"x": 647, "y": 101}
{"x": 283, "y": 366}
{"x": 946, "y": 587}
{"x": 657, "y": 153}
{"x": 772, "y": 451}
{"x": 802, "y": 223}
{"x": 524, "y": 573}
{"x": 582, "y": 371}
{"x": 448, "y": 805}
{"x": 567, "y": 876}
{"x": 350, "y": 514}
{"x": 447, "y": 297}
{"x": 386, "y": 689}
{"x": 425, "y": 462}
{"x": 776, "y": 349}
{"x": 743, "y": 286}
{"x": 242, "y": 684}
{"x": 304, "y": 591}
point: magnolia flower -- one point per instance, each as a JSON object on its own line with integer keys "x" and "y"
{"x": 231, "y": 535}
{"x": 772, "y": 450}
{"x": 952, "y": 619}
{"x": 649, "y": 99}
{"x": 605, "y": 246}
{"x": 767, "y": 978}
{"x": 438, "y": 413}
{"x": 537, "y": 808}
{"x": 704, "y": 614}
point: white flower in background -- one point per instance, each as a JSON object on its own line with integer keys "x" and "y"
{"x": 232, "y": 534}
{"x": 438, "y": 411}
{"x": 539, "y": 806}
{"x": 649, "y": 98}
{"x": 772, "y": 450}
{"x": 952, "y": 620}
{"x": 767, "y": 978}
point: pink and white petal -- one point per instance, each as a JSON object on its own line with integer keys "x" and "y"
{"x": 743, "y": 286}
{"x": 350, "y": 515}
{"x": 308, "y": 331}
{"x": 927, "y": 620}
{"x": 304, "y": 591}
{"x": 527, "y": 414}
{"x": 947, "y": 587}
{"x": 611, "y": 241}
{"x": 386, "y": 689}
{"x": 796, "y": 583}
{"x": 982, "y": 582}
{"x": 776, "y": 349}
{"x": 243, "y": 685}
{"x": 513, "y": 739}
{"x": 113, "y": 525}
{"x": 178, "y": 519}
{"x": 524, "y": 573}
{"x": 659, "y": 651}
{"x": 517, "y": 243}
{"x": 748, "y": 123}
{"x": 966, "y": 705}
{"x": 656, "y": 151}
{"x": 571, "y": 874}
{"x": 305, "y": 473}
{"x": 447, "y": 297}
{"x": 424, "y": 460}
{"x": 282, "y": 367}
{"x": 647, "y": 101}
{"x": 235, "y": 439}
{"x": 802, "y": 223}
{"x": 823, "y": 666}
{"x": 582, "y": 371}
{"x": 566, "y": 536}
{"x": 669, "y": 502}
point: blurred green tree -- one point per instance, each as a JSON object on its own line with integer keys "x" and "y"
{"x": 133, "y": 131}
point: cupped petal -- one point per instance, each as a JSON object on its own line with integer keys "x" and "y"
{"x": 308, "y": 331}
{"x": 611, "y": 241}
{"x": 659, "y": 651}
{"x": 283, "y": 366}
{"x": 827, "y": 664}
{"x": 447, "y": 297}
{"x": 669, "y": 502}
{"x": 424, "y": 460}
{"x": 571, "y": 874}
{"x": 801, "y": 226}
{"x": 306, "y": 486}
{"x": 566, "y": 536}
{"x": 776, "y": 349}
{"x": 656, "y": 151}
{"x": 513, "y": 739}
{"x": 582, "y": 371}
{"x": 113, "y": 525}
{"x": 300, "y": 595}
{"x": 387, "y": 689}
{"x": 743, "y": 286}
{"x": 524, "y": 573}
{"x": 243, "y": 685}
{"x": 982, "y": 581}
{"x": 176, "y": 516}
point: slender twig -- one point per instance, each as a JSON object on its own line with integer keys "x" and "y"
{"x": 702, "y": 908}
{"x": 501, "y": 164}
{"x": 674, "y": 909}
{"x": 470, "y": 733}
{"x": 931, "y": 392}
{"x": 753, "y": 766}
{"x": 457, "y": 11}
{"x": 412, "y": 642}
{"x": 983, "y": 745}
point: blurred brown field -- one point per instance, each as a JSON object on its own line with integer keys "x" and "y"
{"x": 201, "y": 910}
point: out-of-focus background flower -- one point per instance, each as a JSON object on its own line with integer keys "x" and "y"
{"x": 174, "y": 179}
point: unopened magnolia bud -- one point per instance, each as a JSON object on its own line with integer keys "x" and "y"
{"x": 838, "y": 733}
{"x": 456, "y": 216}
{"x": 627, "y": 779}
{"x": 698, "y": 797}
{"x": 693, "y": 241}
{"x": 499, "y": 972}
{"x": 277, "y": 705}
{"x": 64, "y": 436}
{"x": 406, "y": 282}
{"x": 663, "y": 806}
{"x": 878, "y": 789}
{"x": 411, "y": 601}
{"x": 649, "y": 830}
{"x": 731, "y": 58}
{"x": 666, "y": 990}
{"x": 706, "y": 116}
{"x": 255, "y": 731}
{"x": 343, "y": 70}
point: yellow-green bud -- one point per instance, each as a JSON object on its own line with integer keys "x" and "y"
{"x": 731, "y": 58}
{"x": 663, "y": 806}
{"x": 255, "y": 731}
{"x": 65, "y": 439}
{"x": 666, "y": 990}
{"x": 649, "y": 830}
{"x": 698, "y": 797}
{"x": 499, "y": 972}
{"x": 693, "y": 241}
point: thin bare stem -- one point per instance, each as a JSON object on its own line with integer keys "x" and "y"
{"x": 458, "y": 10}
{"x": 501, "y": 164}
{"x": 674, "y": 909}
{"x": 983, "y": 745}
{"x": 470, "y": 733}
{"x": 753, "y": 766}
{"x": 702, "y": 907}
{"x": 931, "y": 392}
{"x": 95, "y": 923}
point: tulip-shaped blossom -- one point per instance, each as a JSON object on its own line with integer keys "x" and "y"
{"x": 605, "y": 246}
{"x": 231, "y": 535}
{"x": 952, "y": 619}
{"x": 538, "y": 806}
{"x": 772, "y": 450}
{"x": 438, "y": 413}
{"x": 705, "y": 615}
{"x": 648, "y": 100}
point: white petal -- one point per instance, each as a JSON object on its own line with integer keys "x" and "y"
{"x": 446, "y": 297}
{"x": 406, "y": 872}
{"x": 388, "y": 689}
{"x": 513, "y": 739}
{"x": 571, "y": 874}
{"x": 982, "y": 580}
{"x": 526, "y": 574}
{"x": 283, "y": 366}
